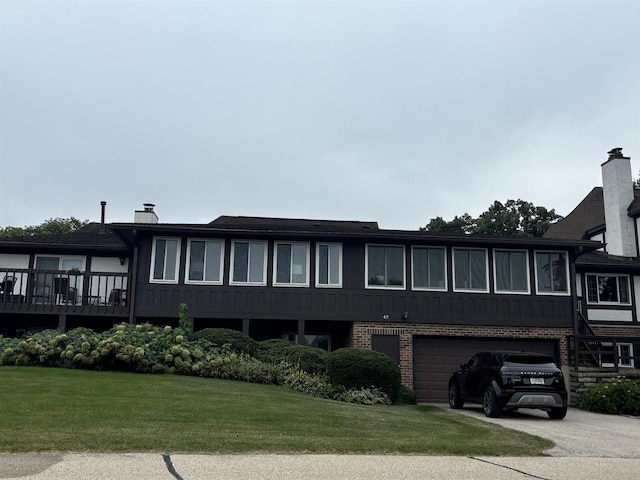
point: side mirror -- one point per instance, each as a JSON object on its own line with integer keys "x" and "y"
{"x": 463, "y": 366}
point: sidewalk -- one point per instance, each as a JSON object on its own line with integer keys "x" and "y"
{"x": 309, "y": 467}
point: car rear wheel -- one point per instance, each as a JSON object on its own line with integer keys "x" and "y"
{"x": 490, "y": 403}
{"x": 557, "y": 413}
{"x": 454, "y": 396}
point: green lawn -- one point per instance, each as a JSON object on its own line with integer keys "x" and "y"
{"x": 54, "y": 409}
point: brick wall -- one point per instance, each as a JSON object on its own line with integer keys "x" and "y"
{"x": 361, "y": 338}
{"x": 617, "y": 330}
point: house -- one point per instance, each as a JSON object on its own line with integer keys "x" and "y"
{"x": 427, "y": 300}
{"x": 607, "y": 280}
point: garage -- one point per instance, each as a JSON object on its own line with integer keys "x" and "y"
{"x": 436, "y": 358}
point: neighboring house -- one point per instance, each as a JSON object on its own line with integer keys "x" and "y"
{"x": 427, "y": 300}
{"x": 607, "y": 280}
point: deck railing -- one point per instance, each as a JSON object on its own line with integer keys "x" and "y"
{"x": 30, "y": 289}
{"x": 603, "y": 351}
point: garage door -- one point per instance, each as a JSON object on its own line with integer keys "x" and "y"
{"x": 436, "y": 358}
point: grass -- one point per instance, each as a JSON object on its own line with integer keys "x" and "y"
{"x": 54, "y": 409}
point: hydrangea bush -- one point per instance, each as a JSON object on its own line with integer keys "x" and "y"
{"x": 621, "y": 396}
{"x": 146, "y": 348}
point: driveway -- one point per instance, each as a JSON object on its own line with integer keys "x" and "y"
{"x": 580, "y": 434}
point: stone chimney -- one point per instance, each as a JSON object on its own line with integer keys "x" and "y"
{"x": 617, "y": 189}
{"x": 147, "y": 215}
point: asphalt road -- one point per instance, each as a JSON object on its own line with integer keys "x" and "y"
{"x": 588, "y": 445}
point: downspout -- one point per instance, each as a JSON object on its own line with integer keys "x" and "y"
{"x": 134, "y": 280}
{"x": 574, "y": 301}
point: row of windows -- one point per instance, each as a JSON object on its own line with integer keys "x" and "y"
{"x": 384, "y": 266}
{"x": 205, "y": 260}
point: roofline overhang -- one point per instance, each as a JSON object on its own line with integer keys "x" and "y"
{"x": 402, "y": 236}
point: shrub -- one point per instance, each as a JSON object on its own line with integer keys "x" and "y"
{"x": 406, "y": 396}
{"x": 309, "y": 359}
{"x": 319, "y": 386}
{"x": 621, "y": 396}
{"x": 238, "y": 342}
{"x": 359, "y": 368}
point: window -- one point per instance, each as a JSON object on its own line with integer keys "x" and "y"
{"x": 204, "y": 263}
{"x": 329, "y": 265}
{"x": 384, "y": 266}
{"x": 248, "y": 263}
{"x": 511, "y": 271}
{"x": 470, "y": 271}
{"x": 166, "y": 258}
{"x": 625, "y": 355}
{"x": 291, "y": 264}
{"x": 318, "y": 340}
{"x": 429, "y": 268}
{"x": 59, "y": 279}
{"x": 552, "y": 273}
{"x": 612, "y": 289}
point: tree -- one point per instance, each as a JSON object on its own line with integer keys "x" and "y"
{"x": 53, "y": 226}
{"x": 515, "y": 218}
{"x": 458, "y": 226}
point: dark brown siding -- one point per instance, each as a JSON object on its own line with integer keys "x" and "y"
{"x": 351, "y": 303}
{"x": 436, "y": 358}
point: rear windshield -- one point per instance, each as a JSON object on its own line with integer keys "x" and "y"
{"x": 530, "y": 359}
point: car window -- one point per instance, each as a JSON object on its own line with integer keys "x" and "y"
{"x": 473, "y": 363}
{"x": 530, "y": 359}
{"x": 484, "y": 360}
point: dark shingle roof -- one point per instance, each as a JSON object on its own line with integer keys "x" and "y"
{"x": 587, "y": 216}
{"x": 603, "y": 259}
{"x": 291, "y": 224}
{"x": 90, "y": 237}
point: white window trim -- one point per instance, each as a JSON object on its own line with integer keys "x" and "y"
{"x": 264, "y": 266}
{"x": 275, "y": 264}
{"x": 153, "y": 261}
{"x": 566, "y": 267}
{"x": 446, "y": 273}
{"x": 610, "y": 364}
{"x": 188, "y": 262}
{"x": 495, "y": 273}
{"x": 486, "y": 271}
{"x": 328, "y": 285}
{"x": 617, "y": 275}
{"x": 366, "y": 268}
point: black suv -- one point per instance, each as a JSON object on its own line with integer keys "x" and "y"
{"x": 508, "y": 381}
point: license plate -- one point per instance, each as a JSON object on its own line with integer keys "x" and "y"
{"x": 537, "y": 381}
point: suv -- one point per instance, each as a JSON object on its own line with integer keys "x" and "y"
{"x": 508, "y": 381}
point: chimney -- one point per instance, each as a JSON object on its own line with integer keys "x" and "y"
{"x": 103, "y": 206}
{"x": 617, "y": 189}
{"x": 147, "y": 215}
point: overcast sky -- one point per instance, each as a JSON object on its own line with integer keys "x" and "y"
{"x": 396, "y": 112}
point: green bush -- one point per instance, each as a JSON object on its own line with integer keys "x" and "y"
{"x": 146, "y": 348}
{"x": 309, "y": 359}
{"x": 359, "y": 368}
{"x": 621, "y": 396}
{"x": 406, "y": 396}
{"x": 319, "y": 386}
{"x": 238, "y": 342}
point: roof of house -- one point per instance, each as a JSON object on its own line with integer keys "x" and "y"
{"x": 337, "y": 230}
{"x": 587, "y": 216}
{"x": 92, "y": 236}
{"x": 603, "y": 259}
{"x": 292, "y": 224}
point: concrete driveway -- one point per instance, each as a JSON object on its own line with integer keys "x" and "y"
{"x": 580, "y": 434}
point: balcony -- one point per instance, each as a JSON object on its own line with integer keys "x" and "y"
{"x": 62, "y": 292}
